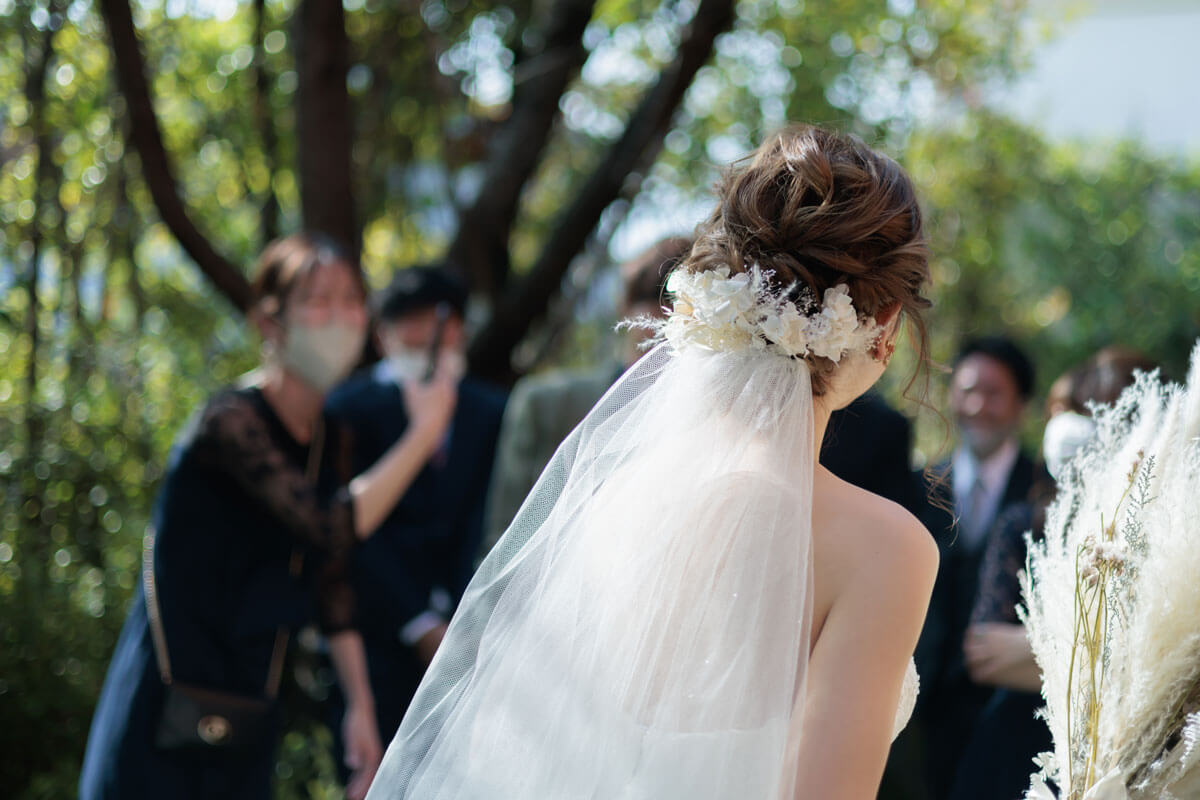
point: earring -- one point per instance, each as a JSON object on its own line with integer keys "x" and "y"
{"x": 883, "y": 352}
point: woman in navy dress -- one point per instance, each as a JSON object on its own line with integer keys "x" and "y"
{"x": 257, "y": 477}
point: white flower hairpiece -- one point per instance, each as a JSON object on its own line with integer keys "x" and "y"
{"x": 718, "y": 311}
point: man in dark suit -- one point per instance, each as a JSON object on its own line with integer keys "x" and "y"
{"x": 990, "y": 390}
{"x": 409, "y": 576}
{"x": 868, "y": 444}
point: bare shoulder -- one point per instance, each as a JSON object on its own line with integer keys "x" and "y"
{"x": 900, "y": 536}
{"x": 868, "y": 539}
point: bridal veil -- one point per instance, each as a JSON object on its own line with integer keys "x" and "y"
{"x": 642, "y": 629}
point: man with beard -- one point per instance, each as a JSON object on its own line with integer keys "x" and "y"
{"x": 990, "y": 390}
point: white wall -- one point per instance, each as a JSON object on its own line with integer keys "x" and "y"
{"x": 1116, "y": 68}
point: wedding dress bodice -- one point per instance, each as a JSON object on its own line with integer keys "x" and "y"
{"x": 908, "y": 698}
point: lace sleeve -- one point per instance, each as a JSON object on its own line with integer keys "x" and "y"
{"x": 335, "y": 595}
{"x": 237, "y": 440}
{"x": 999, "y": 583}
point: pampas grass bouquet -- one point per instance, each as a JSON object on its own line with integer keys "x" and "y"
{"x": 1112, "y": 603}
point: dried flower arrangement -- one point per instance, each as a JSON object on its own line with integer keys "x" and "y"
{"x": 1112, "y": 604}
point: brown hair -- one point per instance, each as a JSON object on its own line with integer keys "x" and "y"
{"x": 818, "y": 208}
{"x": 1100, "y": 380}
{"x": 287, "y": 263}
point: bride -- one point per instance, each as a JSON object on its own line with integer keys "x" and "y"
{"x": 688, "y": 605}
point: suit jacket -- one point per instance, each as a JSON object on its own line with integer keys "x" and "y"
{"x": 867, "y": 443}
{"x": 950, "y": 702}
{"x": 422, "y": 556}
{"x": 542, "y": 411}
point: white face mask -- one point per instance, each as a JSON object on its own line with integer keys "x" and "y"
{"x": 1065, "y": 434}
{"x": 410, "y": 363}
{"x": 322, "y": 355}
{"x": 406, "y": 363}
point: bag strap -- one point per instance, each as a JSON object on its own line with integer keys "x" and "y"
{"x": 158, "y": 636}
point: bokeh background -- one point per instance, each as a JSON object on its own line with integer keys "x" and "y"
{"x": 149, "y": 149}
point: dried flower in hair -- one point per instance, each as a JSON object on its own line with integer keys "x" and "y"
{"x": 718, "y": 311}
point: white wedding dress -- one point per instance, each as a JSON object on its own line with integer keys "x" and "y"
{"x": 642, "y": 629}
{"x": 908, "y": 698}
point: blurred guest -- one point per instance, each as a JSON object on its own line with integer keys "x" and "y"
{"x": 868, "y": 443}
{"x": 545, "y": 408}
{"x": 998, "y": 759}
{"x": 990, "y": 390}
{"x": 410, "y": 575}
{"x": 256, "y": 518}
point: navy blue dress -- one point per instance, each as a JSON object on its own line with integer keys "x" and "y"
{"x": 234, "y": 505}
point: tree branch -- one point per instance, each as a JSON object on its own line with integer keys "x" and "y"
{"x": 32, "y": 543}
{"x": 480, "y": 248}
{"x": 638, "y": 145}
{"x": 146, "y": 138}
{"x": 120, "y": 245}
{"x": 323, "y": 121}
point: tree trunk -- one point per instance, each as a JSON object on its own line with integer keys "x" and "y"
{"x": 265, "y": 122}
{"x": 121, "y": 245}
{"x": 480, "y": 249}
{"x": 146, "y": 138}
{"x": 323, "y": 121}
{"x": 32, "y": 546}
{"x": 38, "y": 61}
{"x": 638, "y": 145}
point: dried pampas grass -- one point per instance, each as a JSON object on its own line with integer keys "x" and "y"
{"x": 1130, "y": 706}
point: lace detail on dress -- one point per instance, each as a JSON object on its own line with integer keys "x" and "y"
{"x": 908, "y": 698}
{"x": 235, "y": 437}
{"x": 999, "y": 590}
{"x": 238, "y": 440}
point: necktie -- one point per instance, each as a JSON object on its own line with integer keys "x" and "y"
{"x": 972, "y": 522}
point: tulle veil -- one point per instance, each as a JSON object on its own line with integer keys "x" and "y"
{"x": 642, "y": 629}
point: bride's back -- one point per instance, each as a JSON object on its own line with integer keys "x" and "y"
{"x": 874, "y": 566}
{"x": 686, "y": 606}
{"x": 855, "y": 533}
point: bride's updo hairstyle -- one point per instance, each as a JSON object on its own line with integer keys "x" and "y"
{"x": 818, "y": 208}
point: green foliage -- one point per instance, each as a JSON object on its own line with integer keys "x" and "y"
{"x": 78, "y": 472}
{"x": 1066, "y": 249}
{"x": 129, "y": 340}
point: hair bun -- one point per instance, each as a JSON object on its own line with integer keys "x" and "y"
{"x": 817, "y": 209}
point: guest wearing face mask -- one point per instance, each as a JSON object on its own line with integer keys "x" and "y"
{"x": 410, "y": 576}
{"x": 255, "y": 521}
{"x": 990, "y": 390}
{"x": 546, "y": 406}
{"x": 998, "y": 758}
